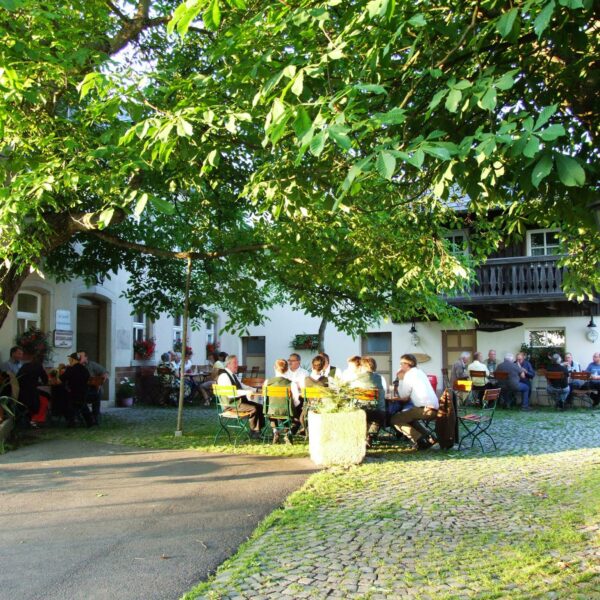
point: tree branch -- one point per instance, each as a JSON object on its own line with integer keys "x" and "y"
{"x": 161, "y": 253}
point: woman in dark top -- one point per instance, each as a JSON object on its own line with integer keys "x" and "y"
{"x": 75, "y": 379}
{"x": 31, "y": 375}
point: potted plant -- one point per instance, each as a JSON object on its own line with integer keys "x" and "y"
{"x": 125, "y": 392}
{"x": 144, "y": 349}
{"x": 338, "y": 428}
{"x": 305, "y": 341}
{"x": 34, "y": 342}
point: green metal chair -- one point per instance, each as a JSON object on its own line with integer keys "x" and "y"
{"x": 277, "y": 408}
{"x": 232, "y": 419}
{"x": 477, "y": 420}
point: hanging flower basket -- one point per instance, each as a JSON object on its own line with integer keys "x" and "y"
{"x": 144, "y": 349}
{"x": 34, "y": 342}
{"x": 305, "y": 341}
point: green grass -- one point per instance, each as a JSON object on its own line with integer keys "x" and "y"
{"x": 537, "y": 545}
{"x": 148, "y": 427}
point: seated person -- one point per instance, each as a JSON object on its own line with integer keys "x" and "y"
{"x": 368, "y": 379}
{"x": 594, "y": 382}
{"x": 206, "y": 386}
{"x": 228, "y": 376}
{"x": 480, "y": 384}
{"x": 459, "y": 369}
{"x": 317, "y": 376}
{"x": 351, "y": 371}
{"x": 30, "y": 376}
{"x": 280, "y": 380}
{"x": 15, "y": 362}
{"x": 560, "y": 386}
{"x": 515, "y": 381}
{"x": 522, "y": 361}
{"x": 419, "y": 400}
{"x": 572, "y": 366}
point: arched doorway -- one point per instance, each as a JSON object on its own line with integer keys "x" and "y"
{"x": 92, "y": 328}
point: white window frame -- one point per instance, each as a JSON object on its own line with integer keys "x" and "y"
{"x": 545, "y": 247}
{"x": 139, "y": 328}
{"x": 177, "y": 328}
{"x": 464, "y": 234}
{"x": 26, "y": 319}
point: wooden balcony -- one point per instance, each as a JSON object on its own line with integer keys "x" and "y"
{"x": 516, "y": 279}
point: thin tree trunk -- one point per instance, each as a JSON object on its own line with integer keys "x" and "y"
{"x": 322, "y": 328}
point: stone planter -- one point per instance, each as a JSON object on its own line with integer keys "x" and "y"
{"x": 124, "y": 402}
{"x": 6, "y": 426}
{"x": 337, "y": 438}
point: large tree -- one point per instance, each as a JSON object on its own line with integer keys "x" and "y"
{"x": 313, "y": 152}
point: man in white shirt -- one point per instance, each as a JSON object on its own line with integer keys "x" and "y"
{"x": 479, "y": 383}
{"x": 295, "y": 372}
{"x": 228, "y": 376}
{"x": 419, "y": 400}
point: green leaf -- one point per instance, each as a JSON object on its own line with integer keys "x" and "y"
{"x": 506, "y": 22}
{"x": 437, "y": 99}
{"x": 417, "y": 159}
{"x": 183, "y": 16}
{"x": 544, "y": 116}
{"x": 162, "y": 206}
{"x": 453, "y": 99}
{"x": 543, "y": 19}
{"x": 338, "y": 134}
{"x": 318, "y": 143}
{"x": 371, "y": 87}
{"x": 552, "y": 132}
{"x": 507, "y": 81}
{"x": 184, "y": 128}
{"x": 541, "y": 170}
{"x": 302, "y": 122}
{"x": 395, "y": 116}
{"x": 241, "y": 4}
{"x": 140, "y": 205}
{"x": 463, "y": 84}
{"x": 488, "y": 101}
{"x": 436, "y": 151}
{"x": 298, "y": 85}
{"x": 532, "y": 147}
{"x": 418, "y": 20}
{"x": 106, "y": 216}
{"x": 212, "y": 15}
{"x": 569, "y": 171}
{"x": 386, "y": 164}
{"x": 11, "y": 5}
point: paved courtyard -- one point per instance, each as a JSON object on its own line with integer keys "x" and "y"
{"x": 437, "y": 525}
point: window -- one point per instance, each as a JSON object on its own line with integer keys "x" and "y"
{"x": 542, "y": 242}
{"x": 458, "y": 242}
{"x": 547, "y": 338}
{"x": 377, "y": 343}
{"x": 29, "y": 310}
{"x": 255, "y": 345}
{"x": 177, "y": 328}
{"x": 139, "y": 327}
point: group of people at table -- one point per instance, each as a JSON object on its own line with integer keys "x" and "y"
{"x": 70, "y": 388}
{"x": 514, "y": 375}
{"x": 411, "y": 398}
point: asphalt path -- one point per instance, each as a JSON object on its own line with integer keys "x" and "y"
{"x": 85, "y": 520}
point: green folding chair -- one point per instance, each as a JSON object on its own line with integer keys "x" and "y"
{"x": 277, "y": 408}
{"x": 232, "y": 419}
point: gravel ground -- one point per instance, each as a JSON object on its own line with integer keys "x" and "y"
{"x": 399, "y": 525}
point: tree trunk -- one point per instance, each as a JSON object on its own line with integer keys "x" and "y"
{"x": 322, "y": 328}
{"x": 10, "y": 282}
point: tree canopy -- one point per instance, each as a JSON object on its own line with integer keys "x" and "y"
{"x": 310, "y": 152}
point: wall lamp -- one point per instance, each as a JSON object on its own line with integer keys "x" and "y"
{"x": 591, "y": 334}
{"x": 414, "y": 338}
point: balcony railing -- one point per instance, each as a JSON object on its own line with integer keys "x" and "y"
{"x": 531, "y": 278}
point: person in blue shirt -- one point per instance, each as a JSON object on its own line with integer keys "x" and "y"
{"x": 594, "y": 383}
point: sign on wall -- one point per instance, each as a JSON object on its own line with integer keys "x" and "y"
{"x": 63, "y": 320}
{"x": 63, "y": 338}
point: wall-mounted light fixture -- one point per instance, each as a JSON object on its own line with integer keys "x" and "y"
{"x": 414, "y": 338}
{"x": 591, "y": 334}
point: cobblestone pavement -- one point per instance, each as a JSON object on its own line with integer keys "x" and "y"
{"x": 432, "y": 525}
